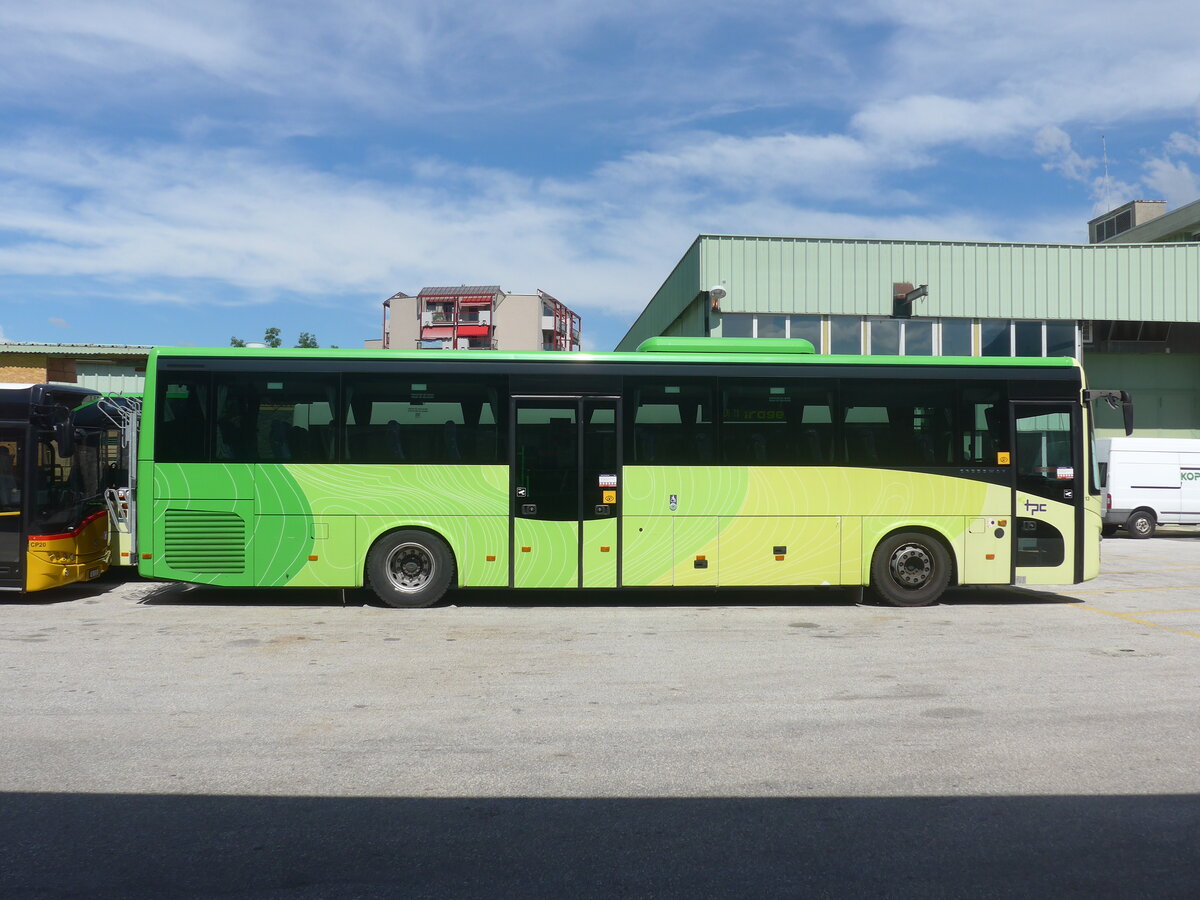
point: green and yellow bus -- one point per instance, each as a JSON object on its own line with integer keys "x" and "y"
{"x": 724, "y": 463}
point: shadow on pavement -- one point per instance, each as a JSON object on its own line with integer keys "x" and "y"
{"x": 104, "y": 845}
{"x": 172, "y": 594}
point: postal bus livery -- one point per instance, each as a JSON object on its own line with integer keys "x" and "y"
{"x": 53, "y": 518}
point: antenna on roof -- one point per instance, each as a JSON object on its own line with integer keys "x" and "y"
{"x": 1107, "y": 182}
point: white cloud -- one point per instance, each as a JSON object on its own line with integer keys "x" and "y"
{"x": 1187, "y": 144}
{"x": 240, "y": 228}
{"x": 1054, "y": 144}
{"x": 826, "y": 167}
{"x": 58, "y": 323}
{"x": 1112, "y": 192}
{"x": 1174, "y": 182}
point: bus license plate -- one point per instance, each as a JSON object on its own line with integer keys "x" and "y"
{"x": 93, "y": 573}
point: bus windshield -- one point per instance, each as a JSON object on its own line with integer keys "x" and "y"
{"x": 65, "y": 485}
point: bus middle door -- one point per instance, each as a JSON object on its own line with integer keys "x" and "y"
{"x": 564, "y": 491}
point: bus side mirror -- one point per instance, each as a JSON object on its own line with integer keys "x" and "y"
{"x": 64, "y": 436}
{"x": 1112, "y": 398}
{"x": 1127, "y": 411}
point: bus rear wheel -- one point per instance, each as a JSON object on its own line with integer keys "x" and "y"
{"x": 910, "y": 569}
{"x": 410, "y": 569}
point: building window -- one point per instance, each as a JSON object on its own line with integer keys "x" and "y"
{"x": 1111, "y": 227}
{"x": 896, "y": 337}
{"x": 956, "y": 337}
{"x": 1060, "y": 339}
{"x": 737, "y": 325}
{"x": 845, "y": 334}
{"x": 918, "y": 338}
{"x": 771, "y": 327}
{"x": 808, "y": 328}
{"x": 995, "y": 337}
{"x": 1027, "y": 339}
{"x": 885, "y": 337}
{"x": 1001, "y": 337}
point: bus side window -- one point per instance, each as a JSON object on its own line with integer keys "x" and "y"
{"x": 671, "y": 422}
{"x": 426, "y": 419}
{"x": 181, "y": 427}
{"x": 891, "y": 424}
{"x": 774, "y": 422}
{"x": 280, "y": 417}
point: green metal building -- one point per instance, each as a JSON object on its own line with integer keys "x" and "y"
{"x": 1129, "y": 311}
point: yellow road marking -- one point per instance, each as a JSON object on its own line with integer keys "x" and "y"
{"x": 1163, "y": 612}
{"x": 1129, "y": 618}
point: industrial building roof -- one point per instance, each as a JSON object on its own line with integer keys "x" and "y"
{"x": 137, "y": 350}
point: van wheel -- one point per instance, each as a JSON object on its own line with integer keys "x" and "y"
{"x": 910, "y": 569}
{"x": 1108, "y": 530}
{"x": 1141, "y": 524}
{"x": 410, "y": 569}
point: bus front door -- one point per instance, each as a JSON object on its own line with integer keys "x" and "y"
{"x": 1048, "y": 499}
{"x": 564, "y": 493}
{"x": 12, "y": 545}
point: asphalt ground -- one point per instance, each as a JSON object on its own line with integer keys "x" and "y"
{"x": 165, "y": 740}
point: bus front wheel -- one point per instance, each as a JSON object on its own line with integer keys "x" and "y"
{"x": 910, "y": 569}
{"x": 410, "y": 569}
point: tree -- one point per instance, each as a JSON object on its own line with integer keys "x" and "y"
{"x": 273, "y": 337}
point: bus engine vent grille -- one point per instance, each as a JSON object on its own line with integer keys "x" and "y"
{"x": 198, "y": 540}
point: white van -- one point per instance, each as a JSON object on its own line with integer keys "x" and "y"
{"x": 1149, "y": 482}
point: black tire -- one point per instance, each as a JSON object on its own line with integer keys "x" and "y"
{"x": 1108, "y": 530}
{"x": 1141, "y": 524}
{"x": 910, "y": 569}
{"x": 410, "y": 569}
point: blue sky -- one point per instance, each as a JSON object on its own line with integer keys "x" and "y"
{"x": 177, "y": 173}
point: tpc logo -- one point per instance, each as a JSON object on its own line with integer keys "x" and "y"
{"x": 1033, "y": 508}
